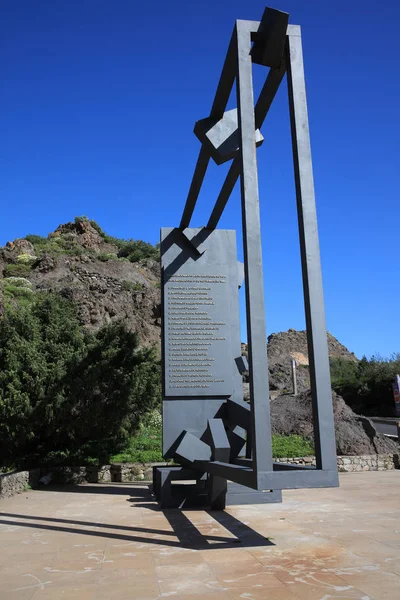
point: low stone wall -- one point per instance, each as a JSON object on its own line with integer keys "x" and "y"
{"x": 347, "y": 464}
{"x": 18, "y": 481}
{"x": 131, "y": 472}
{"x": 374, "y": 462}
{"x": 115, "y": 473}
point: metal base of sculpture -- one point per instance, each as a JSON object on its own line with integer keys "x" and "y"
{"x": 208, "y": 429}
{"x": 177, "y": 487}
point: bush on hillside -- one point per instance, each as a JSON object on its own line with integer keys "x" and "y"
{"x": 106, "y": 256}
{"x": 65, "y": 392}
{"x": 35, "y": 239}
{"x": 56, "y": 245}
{"x": 136, "y": 250}
{"x": 17, "y": 270}
{"x": 26, "y": 259}
{"x": 366, "y": 385}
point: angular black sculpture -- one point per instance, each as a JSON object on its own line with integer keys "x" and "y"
{"x": 207, "y": 427}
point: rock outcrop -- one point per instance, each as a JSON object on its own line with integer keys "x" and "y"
{"x": 104, "y": 287}
{"x": 355, "y": 434}
{"x": 291, "y": 345}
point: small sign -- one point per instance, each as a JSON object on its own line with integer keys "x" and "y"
{"x": 396, "y": 394}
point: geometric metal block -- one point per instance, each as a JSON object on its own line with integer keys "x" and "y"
{"x": 268, "y": 49}
{"x": 217, "y": 492}
{"x": 242, "y": 364}
{"x": 236, "y": 442}
{"x": 191, "y": 449}
{"x": 218, "y": 440}
{"x": 221, "y": 136}
{"x": 238, "y": 413}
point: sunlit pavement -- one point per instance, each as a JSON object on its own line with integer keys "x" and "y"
{"x": 111, "y": 541}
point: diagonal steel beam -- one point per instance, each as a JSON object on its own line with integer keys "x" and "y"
{"x": 226, "y": 80}
{"x": 224, "y": 195}
{"x": 221, "y": 98}
{"x": 268, "y": 94}
{"x": 261, "y": 109}
{"x": 195, "y": 187}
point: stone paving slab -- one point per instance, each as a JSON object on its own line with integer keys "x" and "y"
{"x": 110, "y": 541}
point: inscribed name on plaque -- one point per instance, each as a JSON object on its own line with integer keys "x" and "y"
{"x": 198, "y": 358}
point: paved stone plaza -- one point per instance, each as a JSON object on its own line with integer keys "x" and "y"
{"x": 110, "y": 541}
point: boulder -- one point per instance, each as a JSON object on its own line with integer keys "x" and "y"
{"x": 21, "y": 246}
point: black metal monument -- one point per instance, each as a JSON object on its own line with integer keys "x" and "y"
{"x": 212, "y": 435}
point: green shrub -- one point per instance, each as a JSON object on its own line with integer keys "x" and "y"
{"x": 57, "y": 245}
{"x": 17, "y": 270}
{"x": 35, "y": 239}
{"x": 66, "y": 391}
{"x": 129, "y": 286}
{"x": 93, "y": 223}
{"x": 14, "y": 291}
{"x": 17, "y": 282}
{"x": 153, "y": 420}
{"x": 136, "y": 250}
{"x": 131, "y": 250}
{"x": 366, "y": 385}
{"x": 26, "y": 259}
{"x": 104, "y": 257}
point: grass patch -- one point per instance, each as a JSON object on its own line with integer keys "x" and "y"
{"x": 291, "y": 446}
{"x": 146, "y": 446}
{"x": 143, "y": 447}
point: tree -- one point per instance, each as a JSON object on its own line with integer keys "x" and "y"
{"x": 65, "y": 391}
{"x": 366, "y": 385}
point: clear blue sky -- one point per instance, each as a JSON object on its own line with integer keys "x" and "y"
{"x": 98, "y": 103}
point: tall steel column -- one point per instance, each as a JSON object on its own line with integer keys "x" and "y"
{"x": 254, "y": 281}
{"x": 310, "y": 257}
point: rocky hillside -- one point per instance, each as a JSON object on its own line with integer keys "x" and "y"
{"x": 291, "y": 345}
{"x": 100, "y": 274}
